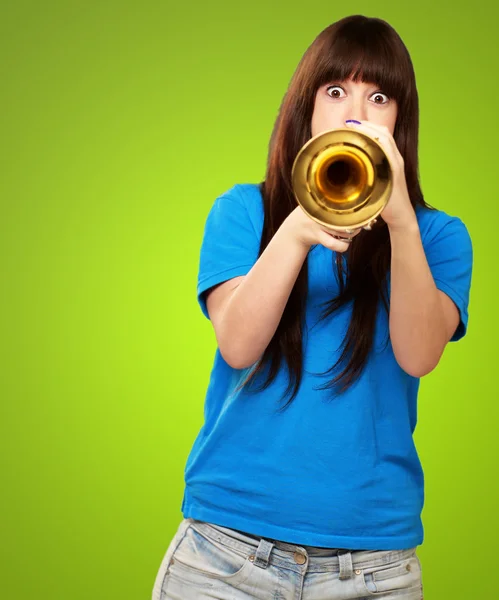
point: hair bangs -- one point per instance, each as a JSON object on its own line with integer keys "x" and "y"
{"x": 369, "y": 59}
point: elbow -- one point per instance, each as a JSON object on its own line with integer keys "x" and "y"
{"x": 236, "y": 360}
{"x": 418, "y": 371}
{"x": 417, "y": 368}
{"x": 418, "y": 359}
{"x": 239, "y": 364}
{"x": 236, "y": 349}
{"x": 235, "y": 363}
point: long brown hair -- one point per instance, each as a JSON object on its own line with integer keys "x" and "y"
{"x": 369, "y": 50}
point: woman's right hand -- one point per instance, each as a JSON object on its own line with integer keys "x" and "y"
{"x": 308, "y": 233}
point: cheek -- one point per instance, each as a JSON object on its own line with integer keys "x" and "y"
{"x": 389, "y": 123}
{"x": 386, "y": 118}
{"x": 393, "y": 121}
{"x": 324, "y": 120}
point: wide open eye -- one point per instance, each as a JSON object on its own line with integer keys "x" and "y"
{"x": 378, "y": 94}
{"x": 334, "y": 91}
{"x": 335, "y": 88}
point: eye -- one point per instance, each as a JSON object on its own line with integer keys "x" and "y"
{"x": 336, "y": 88}
{"x": 332, "y": 87}
{"x": 378, "y": 94}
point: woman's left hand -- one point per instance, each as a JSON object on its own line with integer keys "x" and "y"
{"x": 399, "y": 212}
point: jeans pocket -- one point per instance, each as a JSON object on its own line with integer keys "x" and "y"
{"x": 157, "y": 592}
{"x": 201, "y": 560}
{"x": 399, "y": 575}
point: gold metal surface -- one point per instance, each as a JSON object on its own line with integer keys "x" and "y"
{"x": 342, "y": 179}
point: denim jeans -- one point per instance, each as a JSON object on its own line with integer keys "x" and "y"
{"x": 205, "y": 561}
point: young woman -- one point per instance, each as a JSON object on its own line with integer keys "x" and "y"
{"x": 304, "y": 481}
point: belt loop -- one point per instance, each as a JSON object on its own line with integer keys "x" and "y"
{"x": 263, "y": 553}
{"x": 346, "y": 566}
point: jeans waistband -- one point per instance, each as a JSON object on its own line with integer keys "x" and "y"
{"x": 340, "y": 559}
{"x": 311, "y": 550}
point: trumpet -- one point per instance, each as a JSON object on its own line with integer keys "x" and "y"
{"x": 342, "y": 179}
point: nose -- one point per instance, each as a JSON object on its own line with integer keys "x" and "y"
{"x": 357, "y": 110}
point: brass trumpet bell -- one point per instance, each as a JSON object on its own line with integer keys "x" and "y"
{"x": 342, "y": 179}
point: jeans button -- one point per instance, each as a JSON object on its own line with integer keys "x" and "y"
{"x": 299, "y": 558}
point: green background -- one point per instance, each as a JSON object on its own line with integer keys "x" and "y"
{"x": 121, "y": 123}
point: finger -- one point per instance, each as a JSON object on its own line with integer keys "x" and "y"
{"x": 327, "y": 240}
{"x": 385, "y": 138}
{"x": 380, "y": 129}
{"x": 374, "y": 130}
{"x": 343, "y": 235}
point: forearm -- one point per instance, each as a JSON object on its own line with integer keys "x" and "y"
{"x": 417, "y": 326}
{"x": 254, "y": 310}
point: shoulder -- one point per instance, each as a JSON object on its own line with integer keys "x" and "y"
{"x": 437, "y": 225}
{"x": 246, "y": 194}
{"x": 243, "y": 202}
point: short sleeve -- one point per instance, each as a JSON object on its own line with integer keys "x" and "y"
{"x": 230, "y": 245}
{"x": 449, "y": 253}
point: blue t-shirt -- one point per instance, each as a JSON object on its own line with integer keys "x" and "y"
{"x": 341, "y": 473}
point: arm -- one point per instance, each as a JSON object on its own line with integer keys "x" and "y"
{"x": 422, "y": 318}
{"x": 245, "y": 311}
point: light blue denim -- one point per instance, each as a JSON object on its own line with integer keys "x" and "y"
{"x": 205, "y": 560}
